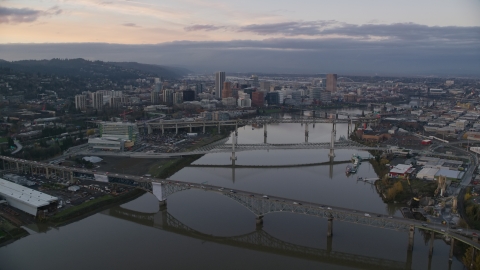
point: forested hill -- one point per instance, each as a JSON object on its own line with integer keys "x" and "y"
{"x": 93, "y": 69}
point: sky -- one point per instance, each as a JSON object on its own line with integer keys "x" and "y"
{"x": 312, "y": 36}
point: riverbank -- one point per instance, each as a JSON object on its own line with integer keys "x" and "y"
{"x": 10, "y": 232}
{"x": 91, "y": 207}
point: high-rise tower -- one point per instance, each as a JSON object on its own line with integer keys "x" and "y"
{"x": 332, "y": 82}
{"x": 219, "y": 80}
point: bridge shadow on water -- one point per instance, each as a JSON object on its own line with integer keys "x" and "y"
{"x": 258, "y": 240}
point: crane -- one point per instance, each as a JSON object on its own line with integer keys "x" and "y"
{"x": 124, "y": 114}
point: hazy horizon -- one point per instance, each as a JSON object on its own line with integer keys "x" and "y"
{"x": 370, "y": 37}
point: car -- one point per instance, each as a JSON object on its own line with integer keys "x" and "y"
{"x": 379, "y": 215}
{"x": 265, "y": 196}
{"x": 92, "y": 198}
{"x": 460, "y": 230}
{"x": 424, "y": 225}
{"x": 295, "y": 202}
{"x": 367, "y": 215}
{"x": 251, "y": 195}
{"x": 442, "y": 230}
{"x": 329, "y": 208}
{"x": 390, "y": 217}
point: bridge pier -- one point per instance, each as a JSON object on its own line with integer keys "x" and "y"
{"x": 203, "y": 127}
{"x": 473, "y": 256}
{"x": 411, "y": 234}
{"x": 163, "y": 130}
{"x": 149, "y": 129}
{"x": 233, "y": 158}
{"x": 452, "y": 244}
{"x": 218, "y": 127}
{"x": 329, "y": 244}
{"x": 306, "y": 132}
{"x": 265, "y": 133}
{"x": 259, "y": 222}
{"x": 430, "y": 248}
{"x": 190, "y": 128}
{"x": 176, "y": 128}
{"x": 162, "y": 205}
{"x": 332, "y": 142}
{"x": 47, "y": 173}
{"x": 330, "y": 227}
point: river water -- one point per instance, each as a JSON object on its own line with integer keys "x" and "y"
{"x": 204, "y": 230}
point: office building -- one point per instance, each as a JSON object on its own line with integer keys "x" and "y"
{"x": 273, "y": 98}
{"x": 265, "y": 86}
{"x": 97, "y": 100}
{"x": 168, "y": 96}
{"x": 227, "y": 90}
{"x": 80, "y": 102}
{"x": 115, "y": 102}
{"x": 155, "y": 97}
{"x": 219, "y": 80}
{"x": 178, "y": 97}
{"x": 198, "y": 88}
{"x": 188, "y": 95}
{"x": 255, "y": 81}
{"x": 332, "y": 83}
{"x": 325, "y": 97}
{"x": 315, "y": 93}
{"x": 257, "y": 99}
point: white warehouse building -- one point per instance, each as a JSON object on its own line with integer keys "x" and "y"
{"x": 26, "y": 199}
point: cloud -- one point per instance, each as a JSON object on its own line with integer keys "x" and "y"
{"x": 202, "y": 27}
{"x": 25, "y": 15}
{"x": 278, "y": 55}
{"x": 130, "y": 25}
{"x": 372, "y": 32}
{"x": 312, "y": 28}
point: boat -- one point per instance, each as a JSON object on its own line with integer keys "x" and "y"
{"x": 350, "y": 169}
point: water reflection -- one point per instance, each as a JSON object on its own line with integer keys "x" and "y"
{"x": 258, "y": 240}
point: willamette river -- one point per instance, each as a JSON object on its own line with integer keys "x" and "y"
{"x": 205, "y": 230}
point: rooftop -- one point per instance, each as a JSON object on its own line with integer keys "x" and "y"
{"x": 24, "y": 194}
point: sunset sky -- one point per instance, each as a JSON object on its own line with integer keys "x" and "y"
{"x": 263, "y": 25}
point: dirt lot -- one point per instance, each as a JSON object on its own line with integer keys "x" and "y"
{"x": 133, "y": 166}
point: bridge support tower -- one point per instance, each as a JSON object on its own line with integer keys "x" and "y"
{"x": 233, "y": 158}
{"x": 265, "y": 132}
{"x": 306, "y": 132}
{"x": 411, "y": 234}
{"x": 330, "y": 227}
{"x": 452, "y": 244}
{"x": 259, "y": 222}
{"x": 149, "y": 129}
{"x": 430, "y": 248}
{"x": 331, "y": 155}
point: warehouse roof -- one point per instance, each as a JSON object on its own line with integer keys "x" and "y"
{"x": 24, "y": 194}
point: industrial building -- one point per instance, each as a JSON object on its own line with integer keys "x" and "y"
{"x": 28, "y": 200}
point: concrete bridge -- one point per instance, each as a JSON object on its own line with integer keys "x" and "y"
{"x": 163, "y": 125}
{"x": 259, "y": 240}
{"x": 258, "y": 204}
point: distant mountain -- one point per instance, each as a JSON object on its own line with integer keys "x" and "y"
{"x": 155, "y": 69}
{"x": 85, "y": 68}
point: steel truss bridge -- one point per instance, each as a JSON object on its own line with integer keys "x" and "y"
{"x": 258, "y": 240}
